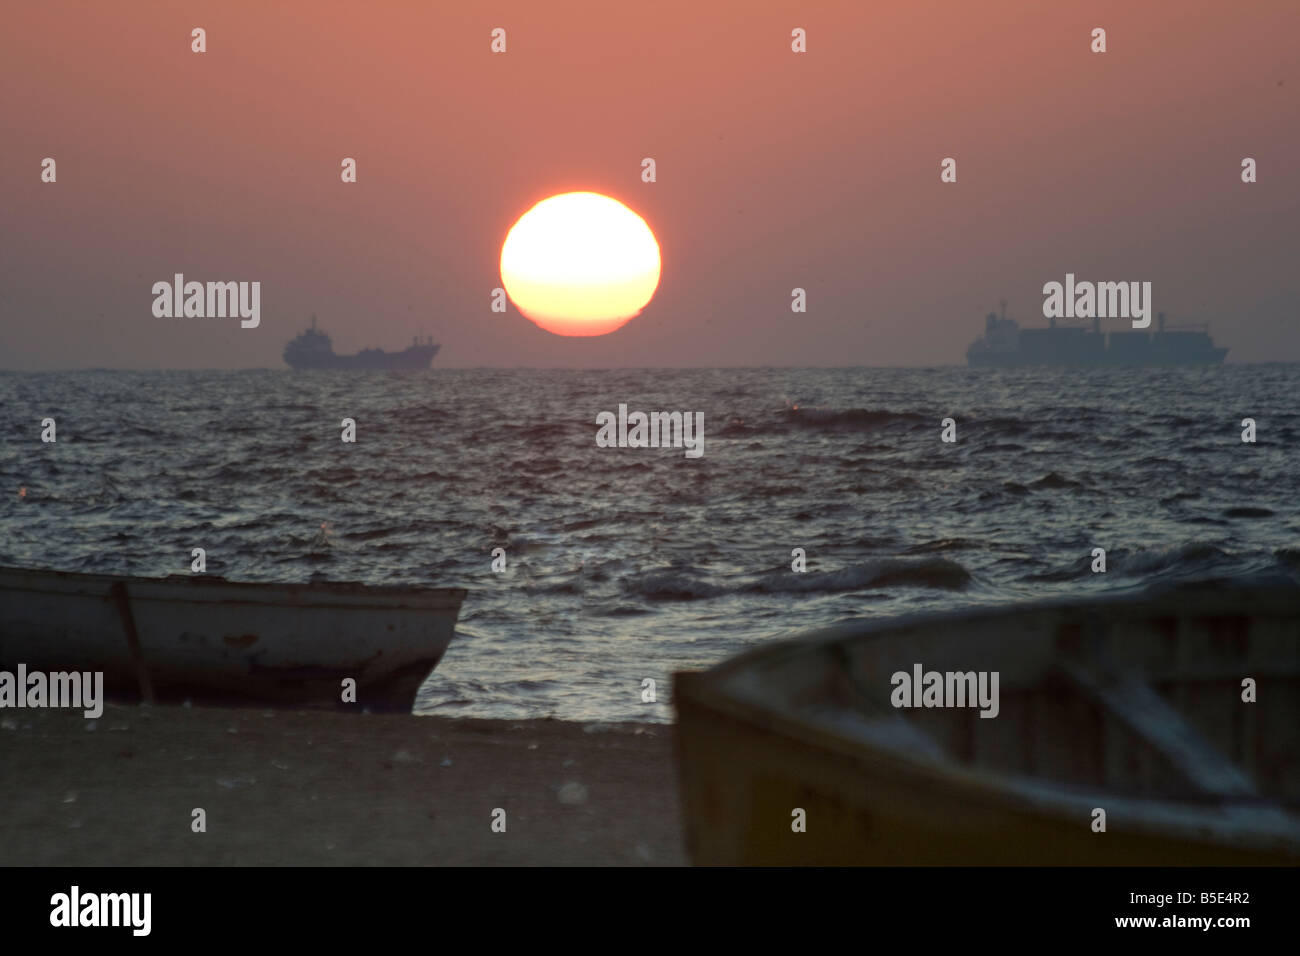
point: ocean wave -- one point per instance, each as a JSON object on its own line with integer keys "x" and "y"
{"x": 1189, "y": 559}
{"x": 1053, "y": 480}
{"x": 944, "y": 544}
{"x": 1288, "y": 557}
{"x": 1192, "y": 556}
{"x": 852, "y": 419}
{"x": 877, "y": 573}
{"x": 1248, "y": 512}
{"x": 736, "y": 428}
{"x": 671, "y": 586}
{"x": 996, "y": 447}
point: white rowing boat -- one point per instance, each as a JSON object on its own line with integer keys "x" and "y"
{"x": 204, "y": 638}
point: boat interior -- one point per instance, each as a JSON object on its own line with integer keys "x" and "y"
{"x": 1175, "y": 699}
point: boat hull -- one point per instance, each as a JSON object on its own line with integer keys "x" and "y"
{"x": 776, "y": 730}
{"x": 206, "y": 639}
{"x": 411, "y": 359}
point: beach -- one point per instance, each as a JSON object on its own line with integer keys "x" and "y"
{"x": 310, "y": 788}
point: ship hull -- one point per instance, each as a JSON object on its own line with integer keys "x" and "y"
{"x": 415, "y": 358}
{"x": 1005, "y": 345}
{"x": 1018, "y": 360}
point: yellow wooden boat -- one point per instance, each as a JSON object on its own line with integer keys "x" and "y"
{"x": 1177, "y": 714}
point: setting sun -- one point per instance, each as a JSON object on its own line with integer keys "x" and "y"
{"x": 580, "y": 264}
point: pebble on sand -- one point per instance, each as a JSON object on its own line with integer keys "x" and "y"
{"x": 573, "y": 793}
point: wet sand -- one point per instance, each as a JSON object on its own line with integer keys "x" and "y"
{"x": 308, "y": 788}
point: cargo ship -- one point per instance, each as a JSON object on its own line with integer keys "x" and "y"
{"x": 1005, "y": 344}
{"x": 313, "y": 350}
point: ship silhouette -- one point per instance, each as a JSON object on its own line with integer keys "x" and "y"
{"x": 312, "y": 349}
{"x": 1005, "y": 344}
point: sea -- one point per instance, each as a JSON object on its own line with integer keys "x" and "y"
{"x": 624, "y": 565}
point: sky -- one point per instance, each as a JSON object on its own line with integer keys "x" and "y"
{"x": 775, "y": 170}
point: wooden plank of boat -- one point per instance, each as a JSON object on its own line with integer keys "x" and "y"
{"x": 1130, "y": 704}
{"x": 1146, "y": 714}
{"x": 207, "y": 639}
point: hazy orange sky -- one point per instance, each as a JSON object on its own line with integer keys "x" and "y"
{"x": 775, "y": 170}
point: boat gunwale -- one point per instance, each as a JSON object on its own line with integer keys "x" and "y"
{"x": 1174, "y": 599}
{"x": 254, "y": 592}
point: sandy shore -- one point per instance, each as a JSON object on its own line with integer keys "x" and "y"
{"x": 294, "y": 787}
